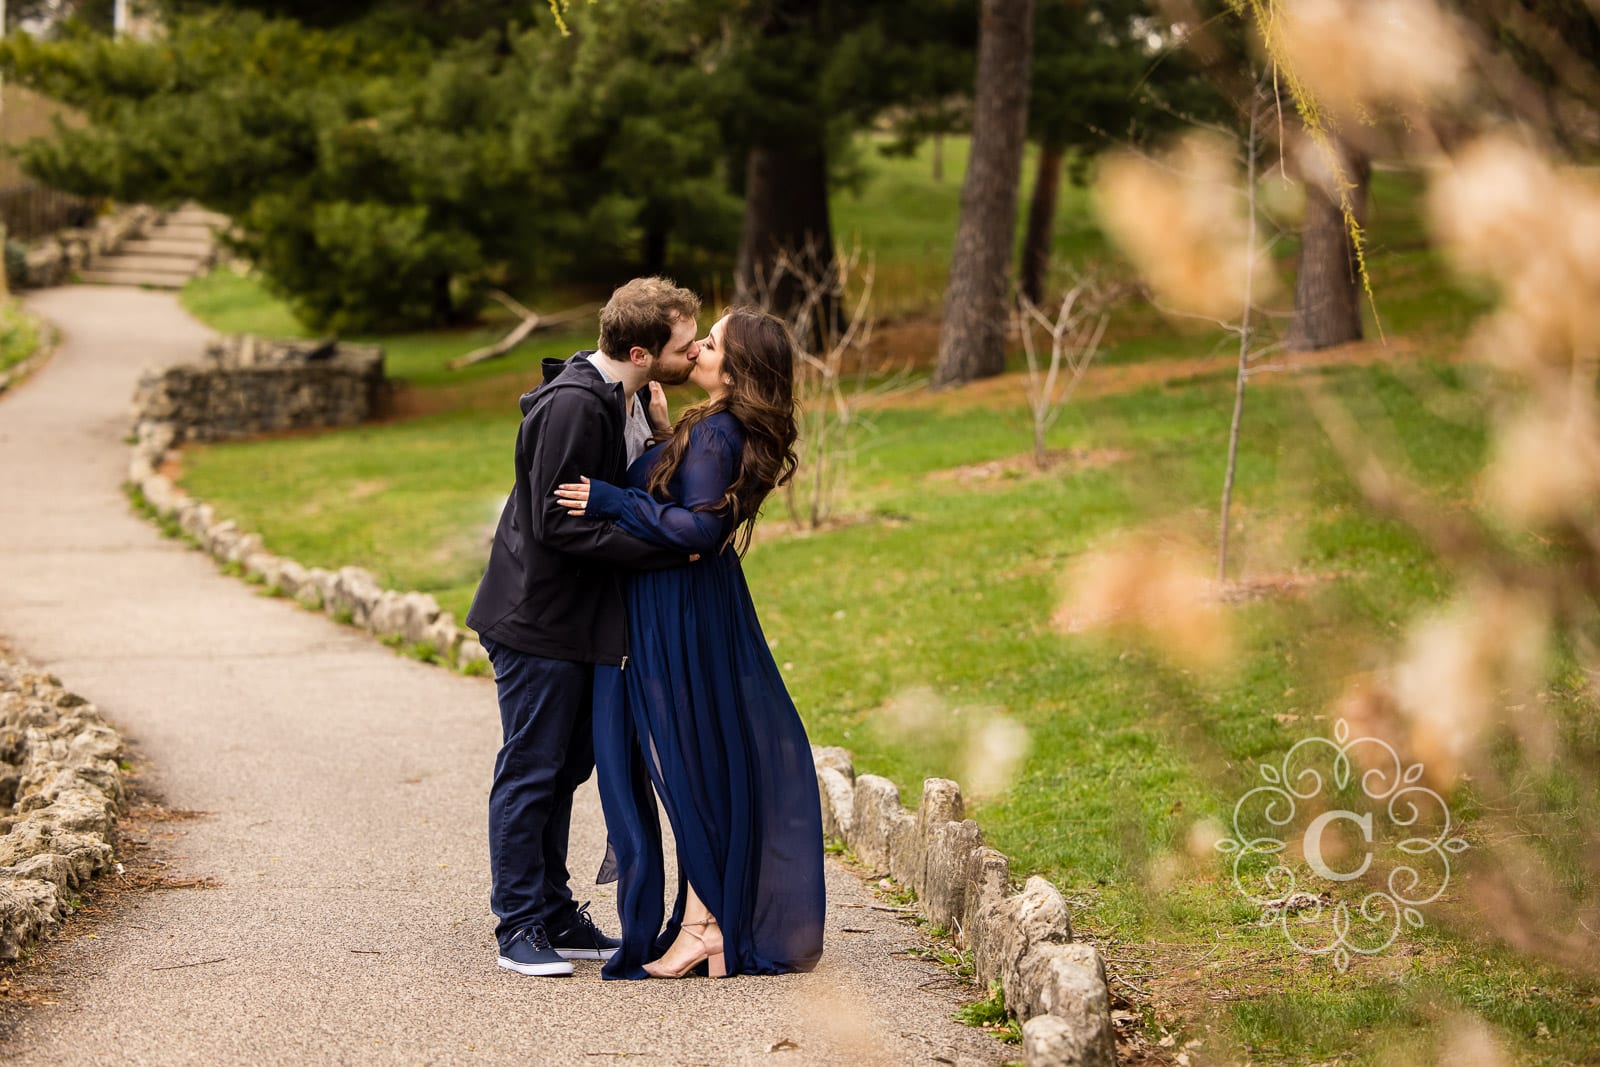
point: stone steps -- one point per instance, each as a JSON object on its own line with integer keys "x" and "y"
{"x": 149, "y": 279}
{"x": 196, "y": 216}
{"x": 171, "y": 252}
{"x": 165, "y": 246}
{"x": 182, "y": 231}
{"x": 123, "y": 261}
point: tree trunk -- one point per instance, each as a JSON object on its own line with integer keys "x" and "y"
{"x": 444, "y": 307}
{"x": 1035, "y": 269}
{"x": 972, "y": 338}
{"x": 785, "y": 211}
{"x": 653, "y": 250}
{"x": 1327, "y": 293}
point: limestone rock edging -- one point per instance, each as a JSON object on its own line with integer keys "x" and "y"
{"x": 60, "y": 793}
{"x": 1055, "y": 986}
{"x": 351, "y": 594}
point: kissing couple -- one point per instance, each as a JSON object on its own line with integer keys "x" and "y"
{"x": 615, "y": 612}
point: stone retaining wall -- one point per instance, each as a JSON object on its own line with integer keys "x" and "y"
{"x": 60, "y": 793}
{"x": 54, "y": 259}
{"x": 1054, "y": 985}
{"x": 243, "y": 386}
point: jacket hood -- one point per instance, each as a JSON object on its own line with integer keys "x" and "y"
{"x": 576, "y": 370}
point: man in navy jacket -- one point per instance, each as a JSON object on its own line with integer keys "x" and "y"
{"x": 550, "y": 606}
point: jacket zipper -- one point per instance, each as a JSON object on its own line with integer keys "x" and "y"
{"x": 624, "y": 450}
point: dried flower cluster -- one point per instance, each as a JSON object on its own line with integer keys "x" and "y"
{"x": 1507, "y": 214}
{"x": 1183, "y": 222}
{"x": 1462, "y": 666}
{"x": 989, "y": 745}
{"x": 1152, "y": 586}
{"x": 1355, "y": 56}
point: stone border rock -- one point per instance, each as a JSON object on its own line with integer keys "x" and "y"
{"x": 1055, "y": 986}
{"x": 60, "y": 793}
{"x": 353, "y": 595}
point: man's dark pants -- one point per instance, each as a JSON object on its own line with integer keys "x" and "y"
{"x": 547, "y": 751}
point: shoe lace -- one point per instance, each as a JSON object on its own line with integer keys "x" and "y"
{"x": 536, "y": 937}
{"x": 582, "y": 921}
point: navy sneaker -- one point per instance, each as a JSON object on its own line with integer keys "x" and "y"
{"x": 529, "y": 952}
{"x": 581, "y": 939}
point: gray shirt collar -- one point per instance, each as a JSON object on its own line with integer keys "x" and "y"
{"x": 636, "y": 432}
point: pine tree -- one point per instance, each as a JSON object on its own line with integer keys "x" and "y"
{"x": 972, "y": 338}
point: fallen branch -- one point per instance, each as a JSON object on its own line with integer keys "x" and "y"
{"x": 531, "y": 322}
{"x": 197, "y": 963}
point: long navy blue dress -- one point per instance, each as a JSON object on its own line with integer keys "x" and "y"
{"x": 701, "y": 712}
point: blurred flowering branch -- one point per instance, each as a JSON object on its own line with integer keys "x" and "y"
{"x": 1497, "y": 690}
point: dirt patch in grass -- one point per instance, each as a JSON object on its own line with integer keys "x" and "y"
{"x": 911, "y": 343}
{"x": 1012, "y": 468}
{"x": 1007, "y": 391}
{"x": 1266, "y": 586}
{"x": 903, "y": 344}
{"x": 775, "y": 528}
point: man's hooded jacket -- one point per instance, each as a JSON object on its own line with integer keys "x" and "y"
{"x": 553, "y": 587}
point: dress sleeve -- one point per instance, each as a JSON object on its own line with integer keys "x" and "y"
{"x": 566, "y": 447}
{"x": 709, "y": 467}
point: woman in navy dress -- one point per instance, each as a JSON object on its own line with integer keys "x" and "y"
{"x": 699, "y": 714}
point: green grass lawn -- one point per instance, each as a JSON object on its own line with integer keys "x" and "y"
{"x": 906, "y": 222}
{"x": 939, "y": 596}
{"x": 20, "y": 334}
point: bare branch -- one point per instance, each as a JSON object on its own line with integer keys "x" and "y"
{"x": 1245, "y": 330}
{"x": 829, "y": 309}
{"x": 531, "y": 323}
{"x": 1075, "y": 331}
{"x": 513, "y": 305}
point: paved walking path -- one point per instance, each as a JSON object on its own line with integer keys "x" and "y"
{"x": 346, "y": 789}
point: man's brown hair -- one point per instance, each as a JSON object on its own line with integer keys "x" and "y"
{"x": 642, "y": 314}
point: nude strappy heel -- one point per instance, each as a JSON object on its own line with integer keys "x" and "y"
{"x": 716, "y": 964}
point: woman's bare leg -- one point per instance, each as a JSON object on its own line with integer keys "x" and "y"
{"x": 698, "y": 939}
{"x": 694, "y": 909}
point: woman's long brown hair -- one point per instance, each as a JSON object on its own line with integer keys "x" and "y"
{"x": 758, "y": 354}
